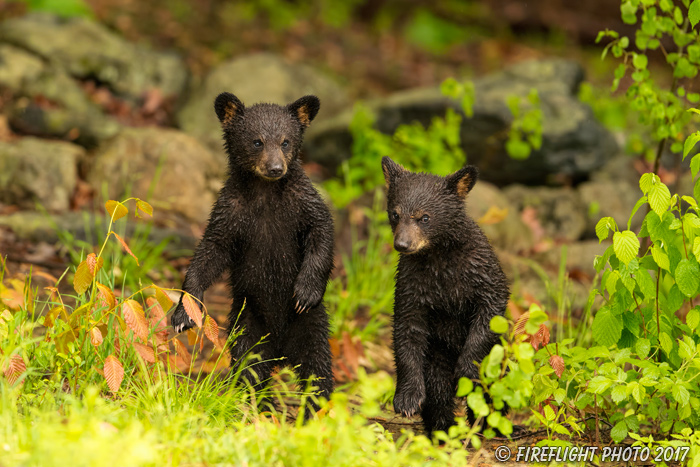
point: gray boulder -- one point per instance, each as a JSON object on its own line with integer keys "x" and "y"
{"x": 510, "y": 233}
{"x": 167, "y": 168}
{"x": 37, "y": 171}
{"x": 48, "y": 102}
{"x": 88, "y": 50}
{"x": 256, "y": 78}
{"x": 559, "y": 211}
{"x": 574, "y": 143}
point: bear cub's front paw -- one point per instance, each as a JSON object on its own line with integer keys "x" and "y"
{"x": 181, "y": 320}
{"x": 408, "y": 400}
{"x": 305, "y": 297}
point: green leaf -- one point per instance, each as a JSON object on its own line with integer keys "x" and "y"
{"x": 603, "y": 226}
{"x": 688, "y": 277}
{"x": 646, "y": 181}
{"x": 639, "y": 204}
{"x": 696, "y": 248}
{"x": 638, "y": 392}
{"x": 666, "y": 342}
{"x": 619, "y": 431}
{"x": 640, "y": 61}
{"x": 692, "y": 319}
{"x": 646, "y": 284}
{"x": 680, "y": 394}
{"x": 464, "y": 387}
{"x": 695, "y": 165}
{"x": 559, "y": 395}
{"x": 690, "y": 143}
{"x": 619, "y": 393}
{"x": 549, "y": 414}
{"x": 642, "y": 347}
{"x": 660, "y": 258}
{"x": 659, "y": 198}
{"x": 694, "y": 12}
{"x": 626, "y": 245}
{"x": 499, "y": 324}
{"x": 607, "y": 328}
{"x": 599, "y": 384}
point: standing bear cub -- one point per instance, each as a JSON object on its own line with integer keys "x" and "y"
{"x": 449, "y": 284}
{"x": 272, "y": 232}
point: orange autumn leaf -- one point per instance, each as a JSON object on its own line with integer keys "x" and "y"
{"x": 145, "y": 351}
{"x": 126, "y": 247}
{"x": 211, "y": 329}
{"x": 106, "y": 296}
{"x": 96, "y": 336}
{"x": 192, "y": 309}
{"x": 182, "y": 352}
{"x": 15, "y": 369}
{"x": 557, "y": 364}
{"x": 541, "y": 337}
{"x": 94, "y": 263}
{"x": 135, "y": 318}
{"x": 157, "y": 320}
{"x": 114, "y": 373}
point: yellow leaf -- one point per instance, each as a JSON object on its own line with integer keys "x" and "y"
{"x": 115, "y": 209}
{"x": 157, "y": 319}
{"x": 163, "y": 298}
{"x": 114, "y": 373}
{"x": 494, "y": 215}
{"x": 106, "y": 296}
{"x": 50, "y": 317}
{"x": 144, "y": 206}
{"x": 83, "y": 278}
{"x": 192, "y": 337}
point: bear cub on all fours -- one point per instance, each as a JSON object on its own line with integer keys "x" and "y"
{"x": 449, "y": 284}
{"x": 272, "y": 232}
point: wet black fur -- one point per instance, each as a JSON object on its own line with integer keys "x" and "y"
{"x": 446, "y": 293}
{"x": 275, "y": 238}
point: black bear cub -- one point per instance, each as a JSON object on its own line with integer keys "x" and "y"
{"x": 449, "y": 284}
{"x": 272, "y": 232}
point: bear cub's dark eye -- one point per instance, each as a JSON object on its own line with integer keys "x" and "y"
{"x": 425, "y": 219}
{"x": 285, "y": 143}
{"x": 257, "y": 143}
{"x": 394, "y": 215}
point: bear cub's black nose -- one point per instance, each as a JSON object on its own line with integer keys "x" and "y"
{"x": 401, "y": 245}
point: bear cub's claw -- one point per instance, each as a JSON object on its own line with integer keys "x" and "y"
{"x": 181, "y": 320}
{"x": 408, "y": 401}
{"x": 305, "y": 299}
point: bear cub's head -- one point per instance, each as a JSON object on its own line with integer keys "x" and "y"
{"x": 264, "y": 138}
{"x": 426, "y": 210}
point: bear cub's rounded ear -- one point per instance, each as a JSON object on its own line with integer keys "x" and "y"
{"x": 391, "y": 170}
{"x": 305, "y": 109}
{"x": 228, "y": 107}
{"x": 462, "y": 181}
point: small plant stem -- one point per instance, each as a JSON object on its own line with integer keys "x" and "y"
{"x": 640, "y": 314}
{"x": 685, "y": 248}
{"x": 658, "y": 322}
{"x": 597, "y": 420}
